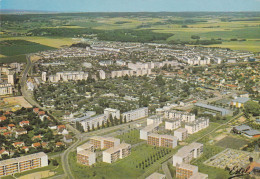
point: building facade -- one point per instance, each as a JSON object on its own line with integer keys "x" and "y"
{"x": 187, "y": 153}
{"x": 86, "y": 157}
{"x": 118, "y": 152}
{"x": 24, "y": 163}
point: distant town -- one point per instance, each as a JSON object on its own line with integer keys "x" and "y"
{"x": 181, "y": 103}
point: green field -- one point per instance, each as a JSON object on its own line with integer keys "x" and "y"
{"x": 15, "y": 50}
{"x": 131, "y": 137}
{"x": 19, "y": 47}
{"x": 237, "y": 31}
{"x": 232, "y": 142}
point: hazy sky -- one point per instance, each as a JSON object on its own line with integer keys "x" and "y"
{"x": 132, "y": 5}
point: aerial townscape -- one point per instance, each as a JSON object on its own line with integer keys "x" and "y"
{"x": 133, "y": 91}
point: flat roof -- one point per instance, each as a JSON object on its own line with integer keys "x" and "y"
{"x": 150, "y": 127}
{"x": 85, "y": 153}
{"x": 241, "y": 99}
{"x": 222, "y": 110}
{"x": 252, "y": 132}
{"x": 116, "y": 148}
{"x": 86, "y": 146}
{"x": 181, "y": 130}
{"x": 184, "y": 151}
{"x": 188, "y": 166}
{"x": 23, "y": 158}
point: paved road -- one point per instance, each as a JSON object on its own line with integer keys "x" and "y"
{"x": 23, "y": 84}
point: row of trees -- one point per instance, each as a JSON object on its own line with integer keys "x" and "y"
{"x": 153, "y": 158}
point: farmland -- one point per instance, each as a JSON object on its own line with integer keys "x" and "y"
{"x": 15, "y": 50}
{"x": 237, "y": 31}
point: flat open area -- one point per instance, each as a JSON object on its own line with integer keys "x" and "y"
{"x": 232, "y": 142}
{"x": 13, "y": 103}
{"x": 38, "y": 175}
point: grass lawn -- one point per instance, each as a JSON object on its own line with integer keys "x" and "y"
{"x": 195, "y": 136}
{"x": 130, "y": 137}
{"x": 125, "y": 168}
{"x": 232, "y": 142}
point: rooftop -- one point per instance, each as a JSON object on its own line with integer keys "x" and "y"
{"x": 85, "y": 153}
{"x": 241, "y": 99}
{"x": 188, "y": 167}
{"x": 117, "y": 148}
{"x": 222, "y": 110}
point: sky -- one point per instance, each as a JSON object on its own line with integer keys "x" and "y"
{"x": 131, "y": 5}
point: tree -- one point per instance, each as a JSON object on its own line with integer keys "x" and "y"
{"x": 55, "y": 162}
{"x": 252, "y": 107}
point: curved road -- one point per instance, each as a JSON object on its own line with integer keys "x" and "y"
{"x": 23, "y": 84}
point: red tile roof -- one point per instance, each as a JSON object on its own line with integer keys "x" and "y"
{"x": 37, "y": 144}
{"x": 2, "y": 118}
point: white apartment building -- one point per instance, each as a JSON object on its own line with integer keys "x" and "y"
{"x": 6, "y": 89}
{"x": 154, "y": 119}
{"x": 118, "y": 152}
{"x": 196, "y": 126}
{"x": 174, "y": 124}
{"x": 135, "y": 114}
{"x": 102, "y": 74}
{"x": 24, "y": 163}
{"x": 148, "y": 130}
{"x": 86, "y": 157}
{"x": 181, "y": 134}
{"x": 11, "y": 77}
{"x": 162, "y": 140}
{"x": 101, "y": 142}
{"x": 184, "y": 116}
{"x": 44, "y": 76}
{"x": 187, "y": 153}
{"x": 114, "y": 112}
{"x": 89, "y": 123}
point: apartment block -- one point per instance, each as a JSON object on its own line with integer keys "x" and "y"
{"x": 184, "y": 171}
{"x": 181, "y": 134}
{"x": 154, "y": 119}
{"x": 115, "y": 113}
{"x": 87, "y": 146}
{"x": 135, "y": 114}
{"x": 86, "y": 157}
{"x": 184, "y": 116}
{"x": 174, "y": 124}
{"x": 5, "y": 89}
{"x": 187, "y": 153}
{"x": 118, "y": 152}
{"x": 91, "y": 122}
{"x": 100, "y": 142}
{"x": 148, "y": 130}
{"x": 24, "y": 163}
{"x": 162, "y": 140}
{"x": 196, "y": 126}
